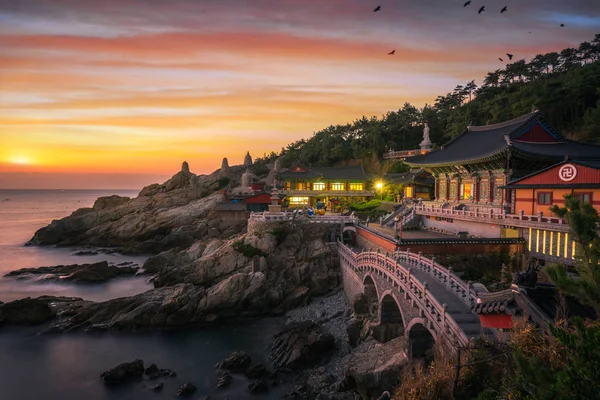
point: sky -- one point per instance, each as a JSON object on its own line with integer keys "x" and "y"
{"x": 118, "y": 93}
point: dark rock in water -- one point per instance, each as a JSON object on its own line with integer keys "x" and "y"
{"x": 258, "y": 386}
{"x": 25, "y": 311}
{"x": 338, "y": 396}
{"x": 224, "y": 380}
{"x": 257, "y": 371}
{"x": 158, "y": 387}
{"x": 86, "y": 253}
{"x": 187, "y": 389}
{"x": 237, "y": 361}
{"x": 123, "y": 372}
{"x": 85, "y": 273}
{"x": 301, "y": 345}
{"x": 152, "y": 369}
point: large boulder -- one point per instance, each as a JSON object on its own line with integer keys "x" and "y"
{"x": 378, "y": 368}
{"x": 124, "y": 372}
{"x": 301, "y": 345}
{"x": 107, "y": 202}
{"x": 238, "y": 361}
{"x": 25, "y": 311}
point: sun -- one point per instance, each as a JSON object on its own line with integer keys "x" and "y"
{"x": 20, "y": 160}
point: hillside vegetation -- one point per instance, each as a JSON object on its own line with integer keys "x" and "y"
{"x": 564, "y": 86}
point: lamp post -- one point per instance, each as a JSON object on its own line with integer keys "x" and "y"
{"x": 398, "y": 226}
{"x": 379, "y": 186}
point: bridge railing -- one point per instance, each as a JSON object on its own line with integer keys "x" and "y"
{"x": 288, "y": 216}
{"x": 432, "y": 310}
{"x": 445, "y": 276}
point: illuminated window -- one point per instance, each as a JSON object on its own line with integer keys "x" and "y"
{"x": 408, "y": 192}
{"x": 298, "y": 201}
{"x": 318, "y": 186}
{"x": 544, "y": 198}
{"x": 356, "y": 186}
{"x": 288, "y": 186}
{"x": 465, "y": 191}
{"x": 299, "y": 185}
{"x": 337, "y": 186}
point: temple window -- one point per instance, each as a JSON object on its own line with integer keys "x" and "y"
{"x": 442, "y": 189}
{"x": 337, "y": 186}
{"x": 584, "y": 197}
{"x": 408, "y": 192}
{"x": 299, "y": 185}
{"x": 465, "y": 191}
{"x": 453, "y": 190}
{"x": 544, "y": 198}
{"x": 356, "y": 186}
{"x": 297, "y": 201}
{"x": 319, "y": 186}
{"x": 288, "y": 186}
{"x": 485, "y": 189}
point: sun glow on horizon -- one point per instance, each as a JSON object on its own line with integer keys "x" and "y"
{"x": 20, "y": 160}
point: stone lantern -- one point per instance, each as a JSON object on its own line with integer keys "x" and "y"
{"x": 274, "y": 207}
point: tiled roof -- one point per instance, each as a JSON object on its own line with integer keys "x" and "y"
{"x": 502, "y": 302}
{"x": 349, "y": 173}
{"x": 477, "y": 143}
{"x": 414, "y": 175}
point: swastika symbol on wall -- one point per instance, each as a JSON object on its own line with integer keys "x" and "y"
{"x": 567, "y": 172}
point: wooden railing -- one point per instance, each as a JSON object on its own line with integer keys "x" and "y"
{"x": 518, "y": 220}
{"x": 433, "y": 311}
{"x": 289, "y": 216}
{"x": 402, "y": 154}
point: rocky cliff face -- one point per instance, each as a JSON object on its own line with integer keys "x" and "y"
{"x": 174, "y": 214}
{"x": 218, "y": 280}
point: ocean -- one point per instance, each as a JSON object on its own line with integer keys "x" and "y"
{"x": 68, "y": 366}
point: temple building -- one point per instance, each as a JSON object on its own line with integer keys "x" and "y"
{"x": 417, "y": 183}
{"x": 475, "y": 167}
{"x": 308, "y": 186}
{"x": 536, "y": 193}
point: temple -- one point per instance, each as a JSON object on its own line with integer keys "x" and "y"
{"x": 308, "y": 186}
{"x": 417, "y": 183}
{"x": 476, "y": 166}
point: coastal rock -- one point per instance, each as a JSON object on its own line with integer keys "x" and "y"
{"x": 258, "y": 386}
{"x": 187, "y": 389}
{"x": 257, "y": 371}
{"x": 78, "y": 273}
{"x": 301, "y": 345}
{"x": 158, "y": 387}
{"x": 238, "y": 361}
{"x": 108, "y": 202}
{"x": 139, "y": 225}
{"x": 378, "y": 369}
{"x": 224, "y": 380}
{"x": 123, "y": 372}
{"x": 153, "y": 372}
{"x": 25, "y": 311}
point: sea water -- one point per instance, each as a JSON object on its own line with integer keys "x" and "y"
{"x": 68, "y": 366}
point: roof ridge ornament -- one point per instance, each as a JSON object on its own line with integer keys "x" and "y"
{"x": 507, "y": 139}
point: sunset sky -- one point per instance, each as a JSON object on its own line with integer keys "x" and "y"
{"x": 117, "y": 93}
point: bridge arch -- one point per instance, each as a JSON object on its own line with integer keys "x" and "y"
{"x": 371, "y": 294}
{"x": 391, "y": 317}
{"x": 349, "y": 235}
{"x": 420, "y": 339}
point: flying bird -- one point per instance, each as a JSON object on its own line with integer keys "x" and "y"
{"x": 500, "y": 59}
{"x": 377, "y": 9}
{"x": 563, "y": 25}
{"x": 467, "y": 3}
{"x": 391, "y": 53}
{"x": 482, "y": 9}
{"x": 510, "y": 56}
{"x": 504, "y": 9}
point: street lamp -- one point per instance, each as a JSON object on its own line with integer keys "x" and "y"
{"x": 379, "y": 186}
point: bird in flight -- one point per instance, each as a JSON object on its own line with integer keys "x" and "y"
{"x": 391, "y": 53}
{"x": 467, "y": 3}
{"x": 500, "y": 59}
{"x": 563, "y": 25}
{"x": 504, "y": 9}
{"x": 510, "y": 56}
{"x": 482, "y": 9}
{"x": 377, "y": 9}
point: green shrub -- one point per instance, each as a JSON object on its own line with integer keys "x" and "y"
{"x": 247, "y": 250}
{"x": 366, "y": 206}
{"x": 280, "y": 232}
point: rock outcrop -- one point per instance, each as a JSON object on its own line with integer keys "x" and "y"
{"x": 25, "y": 311}
{"x": 163, "y": 216}
{"x": 208, "y": 283}
{"x": 238, "y": 361}
{"x": 123, "y": 372}
{"x": 377, "y": 369}
{"x": 78, "y": 273}
{"x": 224, "y": 171}
{"x": 301, "y": 345}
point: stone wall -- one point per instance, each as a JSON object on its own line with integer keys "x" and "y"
{"x": 353, "y": 286}
{"x": 474, "y": 229}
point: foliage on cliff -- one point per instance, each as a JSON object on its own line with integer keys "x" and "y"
{"x": 562, "y": 362}
{"x": 563, "y": 85}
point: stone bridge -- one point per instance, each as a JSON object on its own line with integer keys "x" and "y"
{"x": 413, "y": 296}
